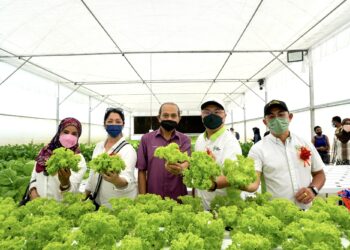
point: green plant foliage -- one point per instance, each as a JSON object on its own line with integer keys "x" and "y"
{"x": 209, "y": 229}
{"x": 171, "y": 153}
{"x": 253, "y": 221}
{"x": 134, "y": 143}
{"x": 247, "y": 241}
{"x": 14, "y": 177}
{"x": 240, "y": 172}
{"x": 104, "y": 163}
{"x": 245, "y": 146}
{"x": 87, "y": 150}
{"x": 195, "y": 202}
{"x": 203, "y": 169}
{"x": 129, "y": 242}
{"x": 303, "y": 232}
{"x": 187, "y": 241}
{"x": 150, "y": 222}
{"x": 24, "y": 151}
{"x": 228, "y": 215}
{"x": 62, "y": 158}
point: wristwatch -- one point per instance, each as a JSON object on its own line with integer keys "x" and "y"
{"x": 314, "y": 190}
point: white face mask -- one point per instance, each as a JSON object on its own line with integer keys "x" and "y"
{"x": 346, "y": 127}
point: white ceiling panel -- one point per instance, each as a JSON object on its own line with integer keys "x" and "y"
{"x": 142, "y": 53}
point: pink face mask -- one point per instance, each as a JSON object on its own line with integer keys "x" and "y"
{"x": 346, "y": 127}
{"x": 68, "y": 140}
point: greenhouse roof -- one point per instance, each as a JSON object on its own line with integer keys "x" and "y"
{"x": 139, "y": 54}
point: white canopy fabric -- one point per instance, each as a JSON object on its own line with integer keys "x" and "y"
{"x": 138, "y": 54}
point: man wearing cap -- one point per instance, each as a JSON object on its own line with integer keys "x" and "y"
{"x": 291, "y": 166}
{"x": 218, "y": 142}
{"x": 155, "y": 176}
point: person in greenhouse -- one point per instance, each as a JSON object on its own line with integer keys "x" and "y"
{"x": 336, "y": 123}
{"x": 257, "y": 136}
{"x": 342, "y": 143}
{"x": 218, "y": 142}
{"x": 64, "y": 180}
{"x": 106, "y": 185}
{"x": 235, "y": 133}
{"x": 321, "y": 143}
{"x": 291, "y": 166}
{"x": 155, "y": 176}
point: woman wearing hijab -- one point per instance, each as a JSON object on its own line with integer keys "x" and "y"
{"x": 44, "y": 185}
{"x": 342, "y": 146}
{"x": 113, "y": 185}
{"x": 257, "y": 136}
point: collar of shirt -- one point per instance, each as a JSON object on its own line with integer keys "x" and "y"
{"x": 277, "y": 140}
{"x": 174, "y": 134}
{"x": 115, "y": 145}
{"x": 214, "y": 136}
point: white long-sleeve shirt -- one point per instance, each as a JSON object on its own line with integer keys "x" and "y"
{"x": 108, "y": 190}
{"x": 49, "y": 186}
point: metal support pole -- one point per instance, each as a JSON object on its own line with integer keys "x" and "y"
{"x": 265, "y": 86}
{"x": 70, "y": 94}
{"x": 15, "y": 71}
{"x": 231, "y": 118}
{"x": 266, "y": 98}
{"x": 58, "y": 105}
{"x": 244, "y": 117}
{"x": 130, "y": 128}
{"x": 292, "y": 71}
{"x": 253, "y": 92}
{"x": 89, "y": 135}
{"x": 311, "y": 92}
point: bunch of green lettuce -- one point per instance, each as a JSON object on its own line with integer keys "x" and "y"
{"x": 14, "y": 177}
{"x": 62, "y": 158}
{"x": 209, "y": 229}
{"x": 247, "y": 241}
{"x": 203, "y": 169}
{"x": 171, "y": 153}
{"x": 107, "y": 163}
{"x": 307, "y": 234}
{"x": 130, "y": 242}
{"x": 240, "y": 172}
{"x": 187, "y": 241}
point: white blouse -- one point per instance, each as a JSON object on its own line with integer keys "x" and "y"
{"x": 108, "y": 190}
{"x": 49, "y": 186}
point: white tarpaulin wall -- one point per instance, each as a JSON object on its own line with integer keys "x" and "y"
{"x": 138, "y": 54}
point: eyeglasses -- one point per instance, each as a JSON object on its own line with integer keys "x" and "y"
{"x": 115, "y": 110}
{"x": 216, "y": 112}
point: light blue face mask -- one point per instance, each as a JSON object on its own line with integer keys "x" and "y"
{"x": 114, "y": 130}
{"x": 278, "y": 125}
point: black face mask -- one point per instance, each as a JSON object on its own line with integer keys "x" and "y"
{"x": 212, "y": 121}
{"x": 168, "y": 125}
{"x": 319, "y": 133}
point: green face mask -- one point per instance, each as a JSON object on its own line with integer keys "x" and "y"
{"x": 278, "y": 125}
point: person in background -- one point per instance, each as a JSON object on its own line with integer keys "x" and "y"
{"x": 155, "y": 176}
{"x": 257, "y": 136}
{"x": 44, "y": 185}
{"x": 336, "y": 123}
{"x": 236, "y": 134}
{"x": 342, "y": 143}
{"x": 219, "y": 142}
{"x": 114, "y": 185}
{"x": 321, "y": 143}
{"x": 291, "y": 166}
